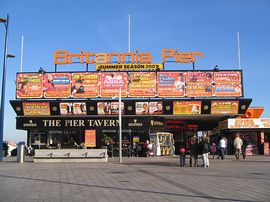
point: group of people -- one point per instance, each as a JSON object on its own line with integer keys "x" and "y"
{"x": 203, "y": 148}
{"x": 196, "y": 148}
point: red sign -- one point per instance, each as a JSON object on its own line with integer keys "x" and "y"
{"x": 171, "y": 84}
{"x": 199, "y": 78}
{"x": 111, "y": 82}
{"x": 29, "y": 85}
{"x": 142, "y": 84}
{"x": 56, "y": 85}
{"x": 36, "y": 108}
{"x": 227, "y": 77}
{"x": 84, "y": 85}
{"x": 90, "y": 138}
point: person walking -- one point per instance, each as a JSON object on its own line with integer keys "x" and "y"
{"x": 182, "y": 153}
{"x": 193, "y": 151}
{"x": 213, "y": 149}
{"x": 244, "y": 146}
{"x": 222, "y": 146}
{"x": 237, "y": 145}
{"x": 205, "y": 147}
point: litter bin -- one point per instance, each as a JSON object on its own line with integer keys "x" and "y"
{"x": 20, "y": 152}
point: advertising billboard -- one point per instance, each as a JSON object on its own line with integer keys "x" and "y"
{"x": 199, "y": 90}
{"x": 106, "y": 108}
{"x": 56, "y": 85}
{"x": 142, "y": 84}
{"x": 199, "y": 77}
{"x": 224, "y": 107}
{"x": 36, "y": 108}
{"x": 187, "y": 107}
{"x": 145, "y": 108}
{"x": 228, "y": 90}
{"x": 84, "y": 85}
{"x": 111, "y": 82}
{"x": 171, "y": 84}
{"x": 29, "y": 85}
{"x": 72, "y": 108}
{"x": 227, "y": 77}
{"x": 90, "y": 138}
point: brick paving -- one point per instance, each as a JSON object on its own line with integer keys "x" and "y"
{"x": 137, "y": 179}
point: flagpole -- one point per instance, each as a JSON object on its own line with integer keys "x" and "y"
{"x": 21, "y": 68}
{"x": 238, "y": 50}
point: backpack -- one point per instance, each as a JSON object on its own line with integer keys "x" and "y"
{"x": 205, "y": 146}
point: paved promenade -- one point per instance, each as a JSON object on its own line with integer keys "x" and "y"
{"x": 137, "y": 179}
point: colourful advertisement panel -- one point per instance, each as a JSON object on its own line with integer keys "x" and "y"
{"x": 29, "y": 85}
{"x": 84, "y": 85}
{"x": 249, "y": 123}
{"x": 171, "y": 84}
{"x": 106, "y": 108}
{"x": 73, "y": 108}
{"x": 224, "y": 107}
{"x": 111, "y": 82}
{"x": 187, "y": 107}
{"x": 227, "y": 77}
{"x": 228, "y": 90}
{"x": 142, "y": 84}
{"x": 36, "y": 108}
{"x": 56, "y": 85}
{"x": 145, "y": 108}
{"x": 199, "y": 77}
{"x": 90, "y": 138}
{"x": 199, "y": 90}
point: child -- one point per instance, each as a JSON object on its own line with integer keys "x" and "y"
{"x": 213, "y": 149}
{"x": 182, "y": 155}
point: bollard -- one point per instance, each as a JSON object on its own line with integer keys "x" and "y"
{"x": 20, "y": 152}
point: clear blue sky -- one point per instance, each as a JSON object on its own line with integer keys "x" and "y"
{"x": 208, "y": 26}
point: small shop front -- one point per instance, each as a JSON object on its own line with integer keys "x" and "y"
{"x": 255, "y": 130}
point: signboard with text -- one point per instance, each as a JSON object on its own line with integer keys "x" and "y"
{"x": 111, "y": 82}
{"x": 90, "y": 138}
{"x": 187, "y": 107}
{"x": 224, "y": 107}
{"x": 171, "y": 84}
{"x": 142, "y": 84}
{"x": 29, "y": 85}
{"x": 36, "y": 108}
{"x": 84, "y": 85}
{"x": 56, "y": 85}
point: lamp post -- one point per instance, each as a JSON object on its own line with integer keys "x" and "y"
{"x": 2, "y": 107}
{"x": 120, "y": 125}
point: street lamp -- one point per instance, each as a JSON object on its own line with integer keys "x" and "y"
{"x": 2, "y": 107}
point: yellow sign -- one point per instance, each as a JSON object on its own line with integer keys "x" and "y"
{"x": 128, "y": 67}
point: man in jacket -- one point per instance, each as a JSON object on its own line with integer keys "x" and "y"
{"x": 193, "y": 151}
{"x": 237, "y": 145}
{"x": 205, "y": 148}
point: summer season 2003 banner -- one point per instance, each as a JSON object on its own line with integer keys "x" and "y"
{"x": 29, "y": 85}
